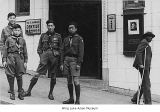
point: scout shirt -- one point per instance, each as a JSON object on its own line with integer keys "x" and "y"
{"x": 49, "y": 41}
{"x": 11, "y": 46}
{"x": 73, "y": 46}
{"x": 6, "y": 32}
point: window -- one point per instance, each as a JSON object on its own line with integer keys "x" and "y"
{"x": 22, "y": 7}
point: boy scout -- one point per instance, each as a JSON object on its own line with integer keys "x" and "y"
{"x": 15, "y": 60}
{"x": 142, "y": 63}
{"x": 7, "y": 31}
{"x": 71, "y": 59}
{"x": 49, "y": 52}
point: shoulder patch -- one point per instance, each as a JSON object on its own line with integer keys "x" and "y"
{"x": 81, "y": 39}
{"x": 59, "y": 35}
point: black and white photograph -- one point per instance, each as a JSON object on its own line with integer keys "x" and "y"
{"x": 133, "y": 27}
{"x": 79, "y": 54}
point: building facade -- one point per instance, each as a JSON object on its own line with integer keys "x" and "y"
{"x": 106, "y": 26}
{"x": 117, "y": 65}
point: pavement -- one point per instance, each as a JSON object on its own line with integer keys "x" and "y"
{"x": 90, "y": 94}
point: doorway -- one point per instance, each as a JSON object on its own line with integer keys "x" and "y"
{"x": 88, "y": 15}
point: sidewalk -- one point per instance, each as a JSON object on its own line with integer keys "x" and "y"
{"x": 89, "y": 94}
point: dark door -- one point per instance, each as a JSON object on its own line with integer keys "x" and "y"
{"x": 133, "y": 31}
{"x": 87, "y": 14}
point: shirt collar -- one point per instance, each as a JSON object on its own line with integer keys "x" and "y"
{"x": 50, "y": 33}
{"x": 10, "y": 25}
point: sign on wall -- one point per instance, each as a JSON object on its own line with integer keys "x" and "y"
{"x": 133, "y": 27}
{"x": 130, "y": 4}
{"x": 33, "y": 26}
{"x": 111, "y": 22}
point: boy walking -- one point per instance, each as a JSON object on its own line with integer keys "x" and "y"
{"x": 15, "y": 59}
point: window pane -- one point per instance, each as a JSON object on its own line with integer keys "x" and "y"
{"x": 24, "y": 6}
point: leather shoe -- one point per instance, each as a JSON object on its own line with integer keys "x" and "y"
{"x": 9, "y": 91}
{"x": 77, "y": 102}
{"x": 69, "y": 101}
{"x": 26, "y": 94}
{"x": 12, "y": 96}
{"x": 50, "y": 96}
{"x": 20, "y": 97}
{"x": 134, "y": 100}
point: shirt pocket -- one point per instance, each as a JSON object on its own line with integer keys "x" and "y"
{"x": 7, "y": 35}
{"x": 54, "y": 42}
{"x": 45, "y": 42}
{"x": 21, "y": 47}
{"x": 75, "y": 47}
{"x": 66, "y": 46}
{"x": 12, "y": 46}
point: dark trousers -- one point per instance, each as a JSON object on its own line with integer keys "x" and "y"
{"x": 146, "y": 85}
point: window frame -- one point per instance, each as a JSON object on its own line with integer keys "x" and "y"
{"x": 17, "y": 9}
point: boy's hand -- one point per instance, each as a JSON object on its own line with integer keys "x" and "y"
{"x": 56, "y": 53}
{"x": 61, "y": 67}
{"x": 77, "y": 67}
{"x": 25, "y": 65}
{"x": 4, "y": 64}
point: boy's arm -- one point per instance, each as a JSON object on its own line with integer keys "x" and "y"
{"x": 60, "y": 44}
{"x": 2, "y": 41}
{"x": 81, "y": 51}
{"x": 5, "y": 53}
{"x": 39, "y": 49}
{"x": 62, "y": 53}
{"x": 25, "y": 53}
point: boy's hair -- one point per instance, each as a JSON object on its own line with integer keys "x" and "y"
{"x": 15, "y": 26}
{"x": 11, "y": 14}
{"x": 73, "y": 23}
{"x": 49, "y": 21}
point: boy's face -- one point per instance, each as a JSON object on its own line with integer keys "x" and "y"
{"x": 50, "y": 27}
{"x": 72, "y": 29}
{"x": 17, "y": 32}
{"x": 12, "y": 19}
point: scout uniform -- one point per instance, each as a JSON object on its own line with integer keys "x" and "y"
{"x": 71, "y": 56}
{"x": 6, "y": 32}
{"x": 49, "y": 44}
{"x": 15, "y": 54}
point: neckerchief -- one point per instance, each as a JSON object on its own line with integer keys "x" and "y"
{"x": 10, "y": 25}
{"x": 70, "y": 38}
{"x": 50, "y": 34}
{"x": 17, "y": 42}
